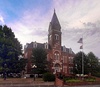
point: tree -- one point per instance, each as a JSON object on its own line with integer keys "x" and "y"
{"x": 10, "y": 49}
{"x": 78, "y": 63}
{"x": 39, "y": 58}
{"x": 93, "y": 63}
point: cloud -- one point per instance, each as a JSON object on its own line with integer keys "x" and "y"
{"x": 91, "y": 38}
{"x": 76, "y": 17}
{"x": 1, "y": 20}
{"x": 71, "y": 12}
{"x": 31, "y": 26}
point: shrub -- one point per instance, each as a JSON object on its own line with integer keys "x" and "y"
{"x": 48, "y": 77}
{"x": 90, "y": 79}
{"x": 97, "y": 74}
{"x": 73, "y": 80}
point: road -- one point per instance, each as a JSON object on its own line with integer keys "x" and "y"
{"x": 42, "y": 85}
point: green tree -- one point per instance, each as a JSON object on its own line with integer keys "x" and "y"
{"x": 10, "y": 49}
{"x": 78, "y": 63}
{"x": 39, "y": 58}
{"x": 93, "y": 64}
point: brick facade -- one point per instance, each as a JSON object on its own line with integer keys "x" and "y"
{"x": 60, "y": 57}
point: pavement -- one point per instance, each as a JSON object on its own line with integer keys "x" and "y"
{"x": 30, "y": 85}
{"x": 29, "y": 82}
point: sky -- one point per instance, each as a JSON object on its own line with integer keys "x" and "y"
{"x": 29, "y": 20}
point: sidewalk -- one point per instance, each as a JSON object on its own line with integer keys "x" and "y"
{"x": 10, "y": 82}
{"x": 28, "y": 82}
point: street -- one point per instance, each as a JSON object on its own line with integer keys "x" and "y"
{"x": 42, "y": 85}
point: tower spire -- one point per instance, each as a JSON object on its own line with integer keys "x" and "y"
{"x": 55, "y": 22}
{"x": 54, "y": 10}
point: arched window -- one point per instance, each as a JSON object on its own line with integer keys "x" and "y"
{"x": 56, "y": 37}
{"x": 46, "y": 45}
{"x": 35, "y": 44}
{"x": 56, "y": 56}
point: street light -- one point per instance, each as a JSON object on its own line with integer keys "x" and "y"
{"x": 5, "y": 74}
{"x": 34, "y": 67}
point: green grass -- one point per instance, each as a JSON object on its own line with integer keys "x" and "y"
{"x": 90, "y": 80}
{"x": 73, "y": 80}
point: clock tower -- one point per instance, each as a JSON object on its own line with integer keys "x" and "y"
{"x": 54, "y": 36}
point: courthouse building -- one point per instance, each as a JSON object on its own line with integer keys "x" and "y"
{"x": 60, "y": 57}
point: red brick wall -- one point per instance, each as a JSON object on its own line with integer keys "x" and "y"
{"x": 58, "y": 82}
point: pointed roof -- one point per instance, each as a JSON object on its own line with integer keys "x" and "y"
{"x": 55, "y": 22}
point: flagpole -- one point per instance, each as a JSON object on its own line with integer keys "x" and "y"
{"x": 81, "y": 47}
{"x": 82, "y": 55}
{"x": 82, "y": 58}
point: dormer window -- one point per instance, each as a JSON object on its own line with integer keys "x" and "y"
{"x": 46, "y": 45}
{"x": 35, "y": 45}
{"x": 64, "y": 49}
{"x": 56, "y": 37}
{"x": 25, "y": 46}
{"x": 70, "y": 51}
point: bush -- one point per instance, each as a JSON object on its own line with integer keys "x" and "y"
{"x": 73, "y": 80}
{"x": 90, "y": 79}
{"x": 48, "y": 77}
{"x": 96, "y": 74}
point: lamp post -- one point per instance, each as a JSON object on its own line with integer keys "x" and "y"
{"x": 5, "y": 74}
{"x": 34, "y": 67}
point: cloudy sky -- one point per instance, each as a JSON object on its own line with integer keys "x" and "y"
{"x": 29, "y": 20}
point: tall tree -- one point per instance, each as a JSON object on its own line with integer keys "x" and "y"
{"x": 39, "y": 58}
{"x": 78, "y": 63}
{"x": 93, "y": 63}
{"x": 10, "y": 49}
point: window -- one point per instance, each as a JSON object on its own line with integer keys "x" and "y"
{"x": 70, "y": 60}
{"x": 70, "y": 70}
{"x": 46, "y": 45}
{"x": 64, "y": 59}
{"x": 65, "y": 69}
{"x": 34, "y": 44}
{"x": 56, "y": 37}
{"x": 70, "y": 51}
{"x": 56, "y": 56}
{"x": 64, "y": 49}
{"x": 26, "y": 46}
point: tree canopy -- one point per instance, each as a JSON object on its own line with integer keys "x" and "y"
{"x": 90, "y": 62}
{"x": 39, "y": 58}
{"x": 10, "y": 50}
{"x": 93, "y": 63}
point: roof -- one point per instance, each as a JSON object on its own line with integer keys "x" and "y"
{"x": 55, "y": 22}
{"x": 35, "y": 45}
{"x": 42, "y": 45}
